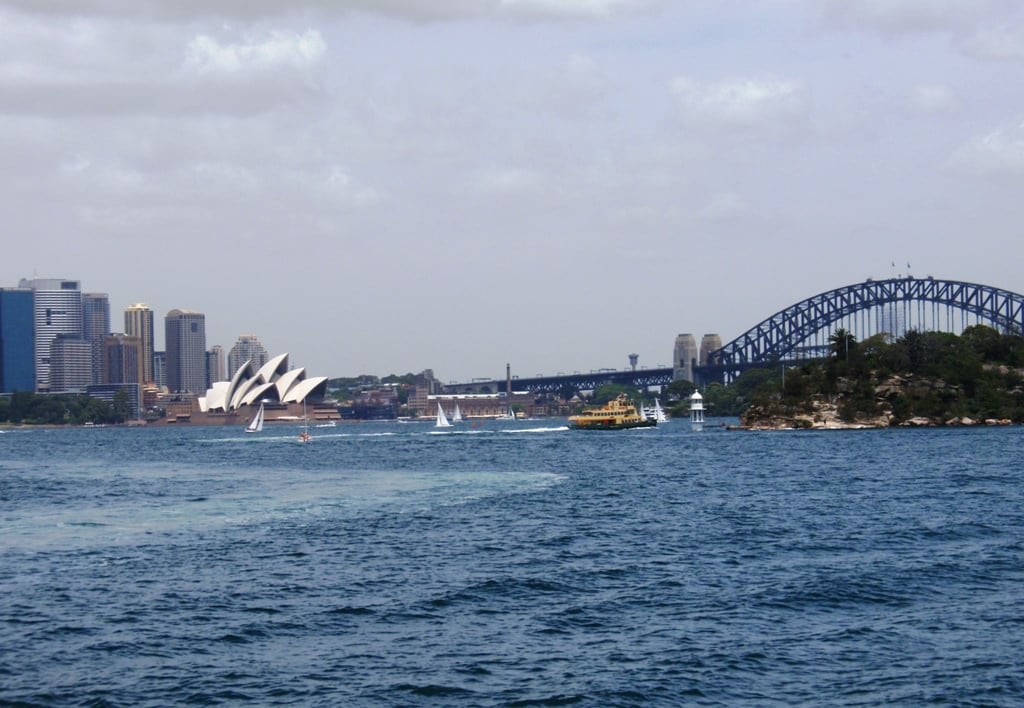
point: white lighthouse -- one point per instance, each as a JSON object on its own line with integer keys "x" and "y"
{"x": 696, "y": 412}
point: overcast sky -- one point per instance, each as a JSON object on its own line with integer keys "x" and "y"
{"x": 377, "y": 187}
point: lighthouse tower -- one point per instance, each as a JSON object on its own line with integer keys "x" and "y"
{"x": 696, "y": 412}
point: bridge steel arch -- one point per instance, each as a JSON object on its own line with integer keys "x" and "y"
{"x": 785, "y": 335}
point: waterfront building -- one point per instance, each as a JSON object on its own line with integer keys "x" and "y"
{"x": 684, "y": 356}
{"x": 272, "y": 382}
{"x": 56, "y": 310}
{"x": 109, "y": 392}
{"x": 215, "y": 365}
{"x": 247, "y": 348}
{"x": 122, "y": 363}
{"x": 70, "y": 363}
{"x": 185, "y": 338}
{"x": 95, "y": 328}
{"x": 138, "y": 322}
{"x": 17, "y": 340}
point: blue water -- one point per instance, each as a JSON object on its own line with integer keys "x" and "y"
{"x": 511, "y": 564}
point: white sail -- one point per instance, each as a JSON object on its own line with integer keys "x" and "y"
{"x": 442, "y": 419}
{"x": 659, "y": 414}
{"x": 457, "y": 415}
{"x": 256, "y": 424}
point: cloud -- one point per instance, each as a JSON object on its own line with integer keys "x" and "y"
{"x": 934, "y": 98}
{"x": 901, "y": 16}
{"x": 999, "y": 153}
{"x": 416, "y": 10}
{"x": 743, "y": 103}
{"x": 1005, "y": 41}
{"x": 298, "y": 51}
{"x": 722, "y": 207}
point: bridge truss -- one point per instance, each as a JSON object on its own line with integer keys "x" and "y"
{"x": 894, "y": 306}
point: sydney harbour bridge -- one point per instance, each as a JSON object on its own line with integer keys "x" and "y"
{"x": 801, "y": 331}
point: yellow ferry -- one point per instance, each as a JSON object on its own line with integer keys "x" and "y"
{"x": 617, "y": 414}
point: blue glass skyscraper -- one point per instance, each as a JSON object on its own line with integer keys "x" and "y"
{"x": 17, "y": 340}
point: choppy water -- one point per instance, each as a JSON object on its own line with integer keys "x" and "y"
{"x": 511, "y": 564}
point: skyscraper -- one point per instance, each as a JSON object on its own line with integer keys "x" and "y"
{"x": 122, "y": 362}
{"x": 57, "y": 309}
{"x": 17, "y": 341}
{"x": 248, "y": 347}
{"x": 215, "y": 365}
{"x": 138, "y": 322}
{"x": 185, "y": 337}
{"x": 70, "y": 364}
{"x": 95, "y": 328}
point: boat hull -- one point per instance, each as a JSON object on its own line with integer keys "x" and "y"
{"x": 610, "y": 424}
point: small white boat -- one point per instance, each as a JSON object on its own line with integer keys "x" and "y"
{"x": 256, "y": 424}
{"x": 304, "y": 435}
{"x": 442, "y": 419}
{"x": 457, "y": 415}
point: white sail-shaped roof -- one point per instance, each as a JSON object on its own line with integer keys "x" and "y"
{"x": 274, "y": 368}
{"x": 256, "y": 393}
{"x": 286, "y": 382}
{"x": 272, "y": 381}
{"x": 302, "y": 389}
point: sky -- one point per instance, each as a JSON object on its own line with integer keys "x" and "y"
{"x": 385, "y": 186}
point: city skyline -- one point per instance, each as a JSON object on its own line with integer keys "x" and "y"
{"x": 380, "y": 188}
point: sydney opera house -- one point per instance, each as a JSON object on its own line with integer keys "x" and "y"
{"x": 273, "y": 382}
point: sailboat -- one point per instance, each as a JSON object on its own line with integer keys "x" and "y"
{"x": 304, "y": 435}
{"x": 442, "y": 419}
{"x": 457, "y": 415}
{"x": 256, "y": 424}
{"x": 508, "y": 414}
{"x": 659, "y": 414}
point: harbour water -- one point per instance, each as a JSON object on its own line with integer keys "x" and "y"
{"x": 513, "y": 563}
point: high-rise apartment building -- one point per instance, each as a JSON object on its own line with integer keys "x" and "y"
{"x": 17, "y": 341}
{"x": 138, "y": 322}
{"x": 185, "y": 338}
{"x": 95, "y": 328}
{"x": 215, "y": 365}
{"x": 56, "y": 309}
{"x": 160, "y": 368}
{"x": 247, "y": 348}
{"x": 70, "y": 363}
{"x": 122, "y": 362}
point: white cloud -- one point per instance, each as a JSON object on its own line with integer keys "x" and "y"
{"x": 934, "y": 98}
{"x": 1005, "y": 41}
{"x": 417, "y": 10}
{"x": 998, "y": 153}
{"x": 508, "y": 181}
{"x": 901, "y": 16}
{"x": 743, "y": 103}
{"x": 297, "y": 51}
{"x": 722, "y": 207}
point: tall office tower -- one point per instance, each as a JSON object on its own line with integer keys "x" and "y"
{"x": 185, "y": 337}
{"x": 215, "y": 365}
{"x": 122, "y": 361}
{"x": 683, "y": 357}
{"x": 17, "y": 341}
{"x": 160, "y": 368}
{"x": 95, "y": 328}
{"x": 138, "y": 322}
{"x": 70, "y": 364}
{"x": 708, "y": 344}
{"x": 57, "y": 309}
{"x": 248, "y": 347}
